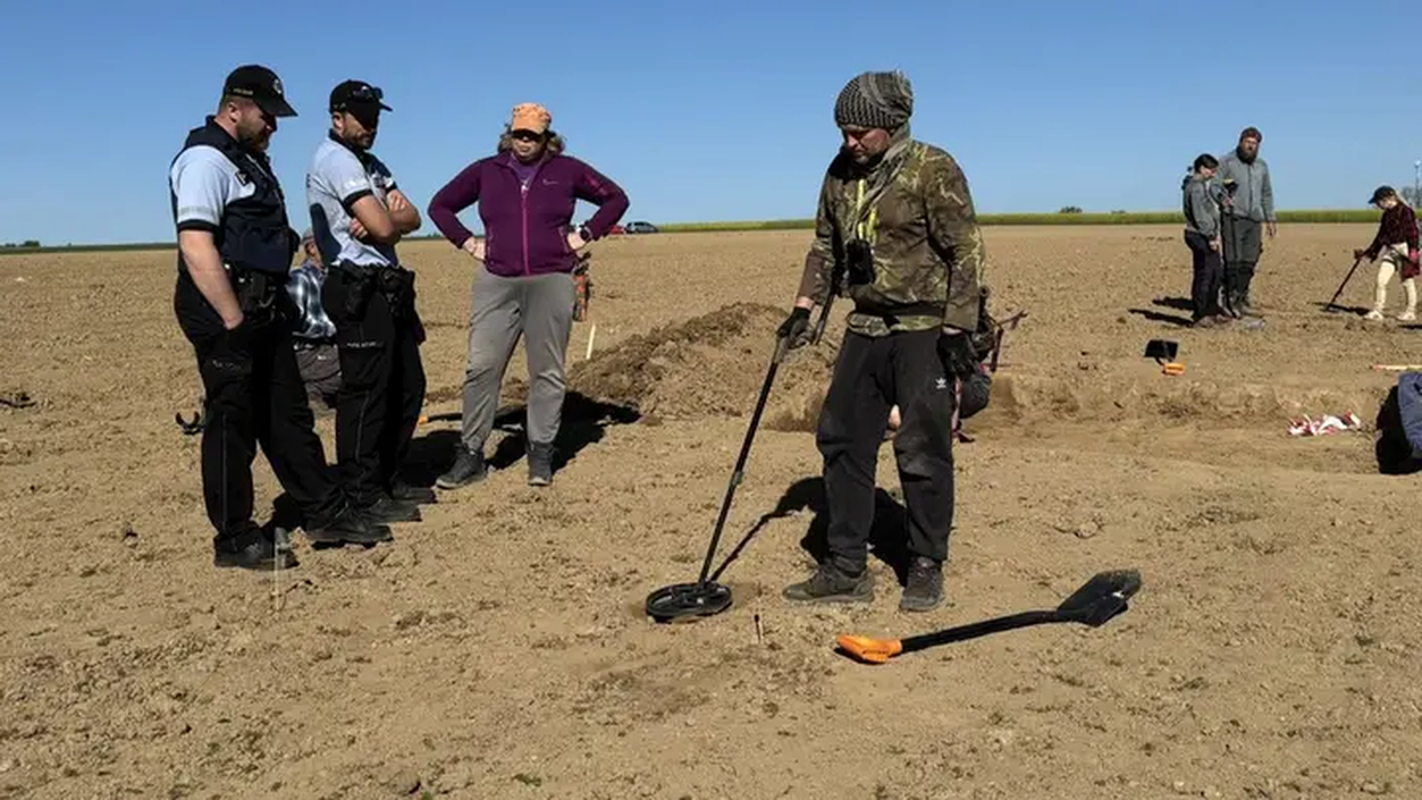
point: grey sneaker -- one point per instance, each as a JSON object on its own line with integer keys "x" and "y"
{"x": 830, "y": 584}
{"x": 540, "y": 463}
{"x": 469, "y": 467}
{"x": 924, "y": 591}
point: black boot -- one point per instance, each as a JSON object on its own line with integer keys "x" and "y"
{"x": 469, "y": 467}
{"x": 254, "y": 548}
{"x": 419, "y": 495}
{"x": 540, "y": 463}
{"x": 347, "y": 525}
{"x": 387, "y": 509}
{"x": 833, "y": 584}
{"x": 924, "y": 589}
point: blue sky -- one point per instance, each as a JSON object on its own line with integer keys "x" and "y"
{"x": 716, "y": 111}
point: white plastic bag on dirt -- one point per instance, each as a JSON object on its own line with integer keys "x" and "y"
{"x": 1325, "y": 425}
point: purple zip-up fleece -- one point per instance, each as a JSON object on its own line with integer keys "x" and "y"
{"x": 527, "y": 222}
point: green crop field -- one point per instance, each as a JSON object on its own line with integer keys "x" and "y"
{"x": 1323, "y": 216}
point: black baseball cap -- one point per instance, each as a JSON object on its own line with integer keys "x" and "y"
{"x": 1382, "y": 192}
{"x": 261, "y": 86}
{"x": 352, "y": 95}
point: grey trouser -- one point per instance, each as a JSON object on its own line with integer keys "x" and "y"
{"x": 540, "y": 308}
{"x": 320, "y": 370}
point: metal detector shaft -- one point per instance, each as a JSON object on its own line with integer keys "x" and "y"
{"x": 1347, "y": 278}
{"x": 781, "y": 346}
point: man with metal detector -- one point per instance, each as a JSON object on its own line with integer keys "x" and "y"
{"x": 895, "y": 227}
{"x": 234, "y": 248}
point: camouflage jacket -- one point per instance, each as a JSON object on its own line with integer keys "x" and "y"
{"x": 927, "y": 247}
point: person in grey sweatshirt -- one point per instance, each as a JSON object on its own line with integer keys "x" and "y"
{"x": 1248, "y": 209}
{"x": 1202, "y": 235}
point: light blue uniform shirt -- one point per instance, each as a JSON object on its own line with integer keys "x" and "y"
{"x": 336, "y": 179}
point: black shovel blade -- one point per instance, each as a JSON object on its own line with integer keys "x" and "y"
{"x": 1162, "y": 349}
{"x": 1100, "y": 599}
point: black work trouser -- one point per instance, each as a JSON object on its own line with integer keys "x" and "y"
{"x": 871, "y": 375}
{"x": 382, "y": 386}
{"x": 254, "y": 395}
{"x": 1209, "y": 276}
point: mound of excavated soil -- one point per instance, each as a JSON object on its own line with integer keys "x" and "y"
{"x": 711, "y": 365}
{"x": 1023, "y": 399}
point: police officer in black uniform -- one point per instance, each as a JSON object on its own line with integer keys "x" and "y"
{"x": 235, "y": 248}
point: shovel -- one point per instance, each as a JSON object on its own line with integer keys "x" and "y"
{"x": 1094, "y": 604}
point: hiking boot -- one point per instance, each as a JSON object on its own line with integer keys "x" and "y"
{"x": 348, "y": 526}
{"x": 469, "y": 467}
{"x": 419, "y": 495}
{"x": 540, "y": 463}
{"x": 830, "y": 584}
{"x": 1245, "y": 306}
{"x": 924, "y": 589}
{"x": 388, "y": 509}
{"x": 253, "y": 549}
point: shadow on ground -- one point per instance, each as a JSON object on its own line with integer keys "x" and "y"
{"x": 1176, "y": 303}
{"x": 887, "y": 538}
{"x": 585, "y": 421}
{"x": 1156, "y": 316}
{"x": 1337, "y": 309}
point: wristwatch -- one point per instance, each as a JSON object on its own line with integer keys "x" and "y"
{"x": 584, "y": 233}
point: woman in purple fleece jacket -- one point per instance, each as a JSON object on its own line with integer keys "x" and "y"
{"x": 523, "y": 285}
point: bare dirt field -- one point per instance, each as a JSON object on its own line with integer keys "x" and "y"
{"x": 498, "y": 649}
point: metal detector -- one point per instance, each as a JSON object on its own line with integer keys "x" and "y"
{"x": 705, "y": 598}
{"x": 1097, "y": 602}
{"x": 1347, "y": 278}
{"x": 193, "y": 428}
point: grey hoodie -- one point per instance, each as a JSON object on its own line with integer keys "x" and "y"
{"x": 1255, "y": 196}
{"x": 1202, "y": 211}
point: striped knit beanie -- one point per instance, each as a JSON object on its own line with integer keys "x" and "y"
{"x": 875, "y": 100}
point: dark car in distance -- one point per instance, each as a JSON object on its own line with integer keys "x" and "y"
{"x": 639, "y": 226}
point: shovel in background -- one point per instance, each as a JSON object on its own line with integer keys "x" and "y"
{"x": 1097, "y": 602}
{"x": 1164, "y": 352}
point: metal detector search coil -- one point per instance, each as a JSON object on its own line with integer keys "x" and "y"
{"x": 685, "y": 601}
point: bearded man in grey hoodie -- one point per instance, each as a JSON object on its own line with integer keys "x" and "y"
{"x": 1248, "y": 207}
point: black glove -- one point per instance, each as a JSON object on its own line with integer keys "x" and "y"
{"x": 956, "y": 352}
{"x": 796, "y": 327}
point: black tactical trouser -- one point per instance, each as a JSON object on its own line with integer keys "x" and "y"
{"x": 378, "y": 337}
{"x": 254, "y": 395}
{"x": 1242, "y": 241}
{"x": 871, "y": 375}
{"x": 1209, "y": 274}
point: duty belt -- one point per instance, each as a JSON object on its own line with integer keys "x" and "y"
{"x": 256, "y": 292}
{"x": 395, "y": 283}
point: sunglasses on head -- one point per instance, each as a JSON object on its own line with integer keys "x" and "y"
{"x": 525, "y": 135}
{"x": 367, "y": 93}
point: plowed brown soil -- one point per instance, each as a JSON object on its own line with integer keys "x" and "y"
{"x": 498, "y": 649}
